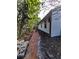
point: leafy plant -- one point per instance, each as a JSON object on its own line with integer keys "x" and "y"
{"x": 27, "y": 15}
{"x": 33, "y": 10}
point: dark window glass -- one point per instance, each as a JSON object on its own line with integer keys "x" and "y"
{"x": 49, "y": 19}
{"x": 45, "y": 24}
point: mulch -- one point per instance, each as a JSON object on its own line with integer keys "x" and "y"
{"x": 33, "y": 47}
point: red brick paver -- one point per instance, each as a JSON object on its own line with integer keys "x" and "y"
{"x": 33, "y": 47}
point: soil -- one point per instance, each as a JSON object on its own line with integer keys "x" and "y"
{"x": 42, "y": 46}
{"x": 33, "y": 47}
{"x": 50, "y": 48}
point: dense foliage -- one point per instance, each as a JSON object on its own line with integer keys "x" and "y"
{"x": 33, "y": 10}
{"x": 22, "y": 17}
{"x": 27, "y": 15}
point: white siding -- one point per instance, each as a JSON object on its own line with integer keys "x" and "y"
{"x": 56, "y": 23}
{"x": 43, "y": 28}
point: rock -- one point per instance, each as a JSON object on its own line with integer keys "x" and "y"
{"x": 50, "y": 55}
{"x": 58, "y": 53}
{"x": 50, "y": 47}
{"x": 21, "y": 47}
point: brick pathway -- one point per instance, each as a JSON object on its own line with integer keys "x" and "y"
{"x": 33, "y": 47}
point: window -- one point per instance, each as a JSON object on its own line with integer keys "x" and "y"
{"x": 49, "y": 20}
{"x": 45, "y": 24}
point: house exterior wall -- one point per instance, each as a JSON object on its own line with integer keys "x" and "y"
{"x": 56, "y": 23}
{"x": 43, "y": 28}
